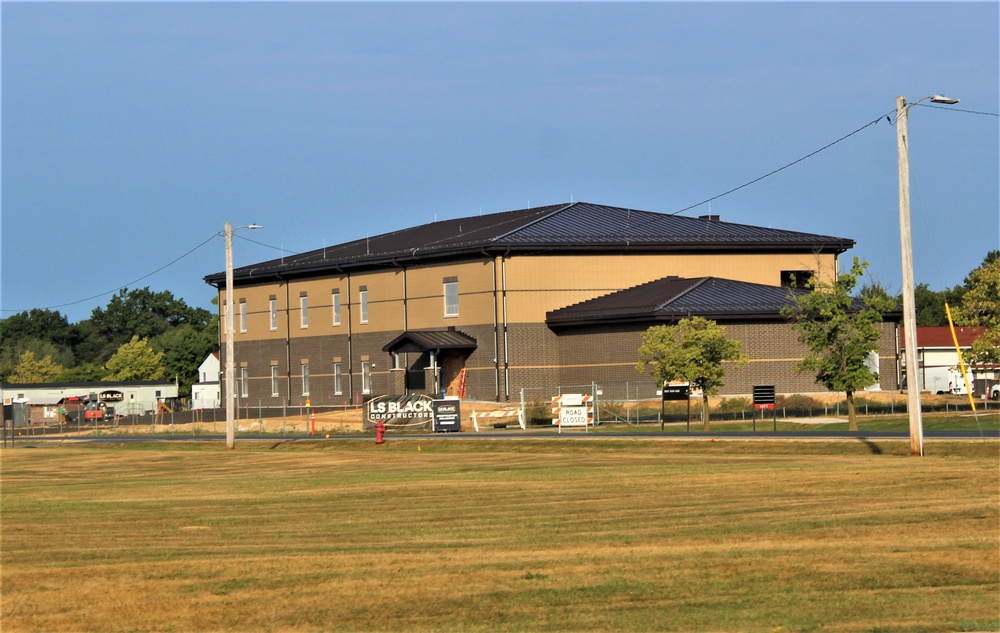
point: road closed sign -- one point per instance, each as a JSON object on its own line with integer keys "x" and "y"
{"x": 573, "y": 416}
{"x": 572, "y": 409}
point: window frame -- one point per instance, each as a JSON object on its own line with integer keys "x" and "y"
{"x": 244, "y": 382}
{"x": 451, "y": 293}
{"x": 366, "y": 376}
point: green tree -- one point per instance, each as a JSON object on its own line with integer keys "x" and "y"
{"x": 980, "y": 306}
{"x": 929, "y": 304}
{"x": 44, "y": 332}
{"x": 12, "y": 353}
{"x": 85, "y": 372}
{"x": 841, "y": 332}
{"x": 691, "y": 351}
{"x": 184, "y": 348}
{"x": 144, "y": 313}
{"x": 136, "y": 360}
{"x": 34, "y": 370}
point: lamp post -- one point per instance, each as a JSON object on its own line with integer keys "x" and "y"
{"x": 230, "y": 350}
{"x": 906, "y": 246}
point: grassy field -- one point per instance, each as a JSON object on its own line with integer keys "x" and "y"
{"x": 501, "y": 535}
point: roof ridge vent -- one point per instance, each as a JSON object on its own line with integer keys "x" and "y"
{"x": 709, "y": 218}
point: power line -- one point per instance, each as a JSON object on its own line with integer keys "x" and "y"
{"x": 124, "y": 286}
{"x": 829, "y": 145}
{"x": 794, "y": 162}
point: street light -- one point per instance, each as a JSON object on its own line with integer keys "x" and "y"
{"x": 230, "y": 369}
{"x": 906, "y": 246}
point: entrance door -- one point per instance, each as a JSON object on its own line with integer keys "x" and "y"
{"x": 452, "y": 364}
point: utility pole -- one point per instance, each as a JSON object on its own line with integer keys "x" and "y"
{"x": 230, "y": 350}
{"x": 906, "y": 246}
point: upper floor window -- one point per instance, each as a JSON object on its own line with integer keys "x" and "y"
{"x": 363, "y": 300}
{"x": 796, "y": 278}
{"x": 336, "y": 307}
{"x": 274, "y": 314}
{"x": 451, "y": 297}
{"x": 243, "y": 315}
{"x": 304, "y": 308}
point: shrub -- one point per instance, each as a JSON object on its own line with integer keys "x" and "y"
{"x": 735, "y": 405}
{"x": 797, "y": 401}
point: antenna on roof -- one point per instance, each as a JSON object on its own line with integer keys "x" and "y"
{"x": 324, "y": 249}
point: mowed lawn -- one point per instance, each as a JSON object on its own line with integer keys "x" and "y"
{"x": 549, "y": 534}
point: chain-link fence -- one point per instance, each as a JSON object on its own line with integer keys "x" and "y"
{"x": 248, "y": 419}
{"x": 629, "y": 403}
{"x": 640, "y": 402}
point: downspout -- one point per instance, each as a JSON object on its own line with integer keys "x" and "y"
{"x": 496, "y": 334}
{"x": 350, "y": 342}
{"x": 406, "y": 358}
{"x": 506, "y": 340}
{"x": 288, "y": 345}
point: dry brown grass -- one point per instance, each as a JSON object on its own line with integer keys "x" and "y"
{"x": 527, "y": 535}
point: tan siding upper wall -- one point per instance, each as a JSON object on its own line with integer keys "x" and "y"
{"x": 425, "y": 291}
{"x": 536, "y": 285}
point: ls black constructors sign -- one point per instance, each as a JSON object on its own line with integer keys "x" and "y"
{"x": 412, "y": 411}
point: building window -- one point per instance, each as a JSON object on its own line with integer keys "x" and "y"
{"x": 304, "y": 308}
{"x": 451, "y": 298}
{"x": 366, "y": 377}
{"x": 244, "y": 382}
{"x": 363, "y": 300}
{"x": 243, "y": 315}
{"x": 336, "y": 307}
{"x": 274, "y": 381}
{"x": 796, "y": 278}
{"x": 305, "y": 379}
{"x": 338, "y": 378}
{"x": 274, "y": 314}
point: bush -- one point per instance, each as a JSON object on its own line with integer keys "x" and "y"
{"x": 735, "y": 405}
{"x": 797, "y": 401}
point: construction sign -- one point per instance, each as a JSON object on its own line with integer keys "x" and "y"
{"x": 572, "y": 409}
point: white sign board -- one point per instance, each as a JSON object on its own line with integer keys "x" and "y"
{"x": 573, "y": 416}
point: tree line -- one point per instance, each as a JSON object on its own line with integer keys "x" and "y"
{"x": 146, "y": 335}
{"x": 138, "y": 335}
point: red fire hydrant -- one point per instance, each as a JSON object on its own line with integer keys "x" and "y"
{"x": 379, "y": 432}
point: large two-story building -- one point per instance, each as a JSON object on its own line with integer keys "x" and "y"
{"x": 546, "y": 296}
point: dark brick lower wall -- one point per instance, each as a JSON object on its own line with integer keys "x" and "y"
{"x": 536, "y": 357}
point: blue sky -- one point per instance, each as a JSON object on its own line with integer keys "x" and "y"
{"x": 133, "y": 131}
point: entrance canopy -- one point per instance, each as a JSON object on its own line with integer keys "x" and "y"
{"x": 430, "y": 340}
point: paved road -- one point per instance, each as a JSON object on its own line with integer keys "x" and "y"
{"x": 532, "y": 434}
